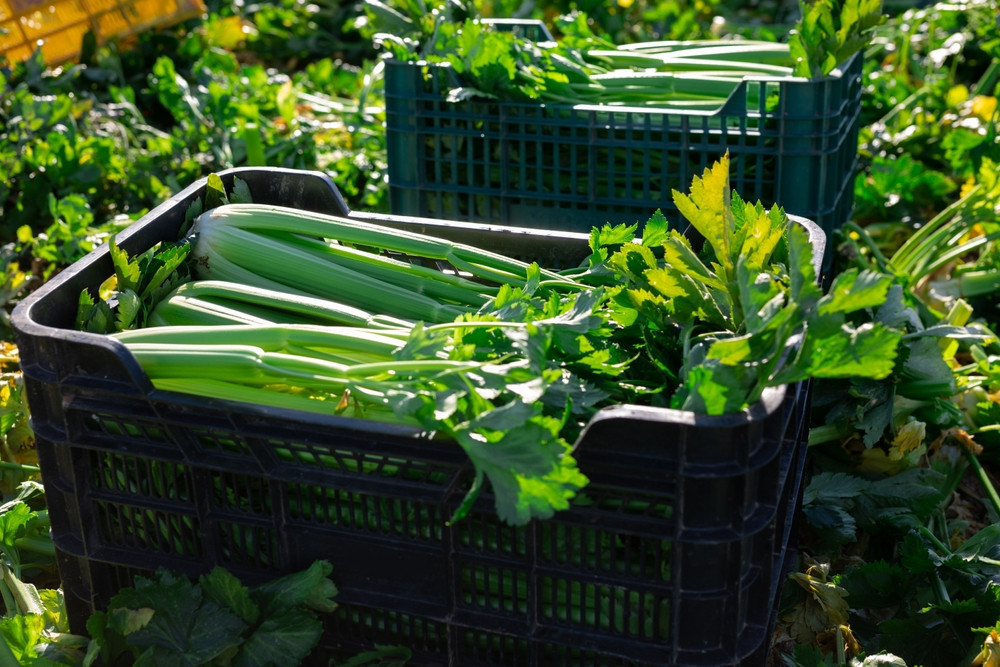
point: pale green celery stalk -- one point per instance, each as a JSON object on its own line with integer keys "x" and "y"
{"x": 683, "y": 63}
{"x": 21, "y": 467}
{"x": 194, "y": 368}
{"x": 667, "y": 62}
{"x": 926, "y": 390}
{"x": 267, "y": 315}
{"x": 407, "y": 366}
{"x": 432, "y": 282}
{"x": 345, "y": 357}
{"x": 735, "y": 48}
{"x": 300, "y": 269}
{"x": 222, "y": 269}
{"x": 731, "y": 76}
{"x": 279, "y": 218}
{"x": 757, "y": 53}
{"x": 988, "y": 80}
{"x": 928, "y": 239}
{"x": 695, "y": 104}
{"x": 865, "y": 238}
{"x": 623, "y": 59}
{"x": 644, "y": 96}
{"x": 491, "y": 271}
{"x": 177, "y": 310}
{"x": 828, "y": 433}
{"x": 975, "y": 283}
{"x": 274, "y": 338}
{"x": 263, "y": 354}
{"x": 25, "y": 596}
{"x": 666, "y": 83}
{"x": 313, "y": 309}
{"x": 248, "y": 364}
{"x": 671, "y": 45}
{"x": 954, "y": 251}
{"x": 708, "y": 89}
{"x": 322, "y": 404}
{"x": 256, "y": 156}
{"x": 251, "y": 365}
{"x": 38, "y": 545}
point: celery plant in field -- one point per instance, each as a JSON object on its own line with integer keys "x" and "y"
{"x": 901, "y": 478}
{"x": 831, "y": 31}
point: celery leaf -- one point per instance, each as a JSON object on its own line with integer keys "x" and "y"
{"x": 226, "y": 590}
{"x": 707, "y": 208}
{"x": 866, "y": 351}
{"x": 853, "y": 290}
{"x": 184, "y": 624}
{"x": 283, "y": 638}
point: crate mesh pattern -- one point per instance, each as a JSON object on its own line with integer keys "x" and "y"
{"x": 674, "y": 554}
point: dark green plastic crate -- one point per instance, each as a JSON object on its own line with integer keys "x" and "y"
{"x": 683, "y": 536}
{"x": 571, "y": 168}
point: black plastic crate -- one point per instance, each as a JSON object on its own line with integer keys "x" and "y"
{"x": 672, "y": 555}
{"x": 573, "y": 167}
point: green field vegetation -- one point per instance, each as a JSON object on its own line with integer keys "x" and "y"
{"x": 899, "y": 541}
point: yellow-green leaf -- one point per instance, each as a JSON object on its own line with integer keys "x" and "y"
{"x": 761, "y": 238}
{"x": 286, "y": 100}
{"x": 667, "y": 283}
{"x": 732, "y": 351}
{"x": 707, "y": 208}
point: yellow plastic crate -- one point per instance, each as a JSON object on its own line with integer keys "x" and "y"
{"x": 59, "y": 26}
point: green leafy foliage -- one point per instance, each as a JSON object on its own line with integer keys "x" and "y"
{"x": 169, "y": 619}
{"x": 140, "y": 283}
{"x": 927, "y": 63}
{"x": 836, "y": 505}
{"x": 513, "y": 415}
{"x": 830, "y": 31}
{"x": 942, "y": 595}
{"x": 747, "y": 305}
{"x": 89, "y": 148}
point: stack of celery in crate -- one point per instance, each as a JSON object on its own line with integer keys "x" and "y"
{"x": 580, "y": 446}
{"x": 486, "y": 125}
